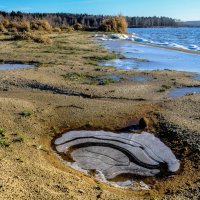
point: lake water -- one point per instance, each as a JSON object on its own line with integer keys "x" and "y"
{"x": 143, "y": 56}
{"x": 185, "y": 38}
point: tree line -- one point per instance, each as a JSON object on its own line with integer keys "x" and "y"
{"x": 90, "y": 21}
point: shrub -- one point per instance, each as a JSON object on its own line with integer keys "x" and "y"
{"x": 78, "y": 27}
{"x": 109, "y": 25}
{"x": 13, "y": 30}
{"x": 117, "y": 24}
{"x": 69, "y": 29}
{"x": 2, "y": 28}
{"x": 57, "y": 29}
{"x": 121, "y": 24}
{"x": 24, "y": 26}
{"x": 19, "y": 26}
{"x": 5, "y": 23}
{"x": 41, "y": 25}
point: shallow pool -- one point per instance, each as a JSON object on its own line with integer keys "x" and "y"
{"x": 14, "y": 66}
{"x": 178, "y": 92}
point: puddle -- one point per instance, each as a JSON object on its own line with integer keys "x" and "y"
{"x": 14, "y": 66}
{"x": 126, "y": 64}
{"x": 178, "y": 92}
{"x": 116, "y": 158}
{"x": 112, "y": 77}
{"x": 139, "y": 79}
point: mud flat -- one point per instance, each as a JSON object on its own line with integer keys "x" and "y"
{"x": 63, "y": 94}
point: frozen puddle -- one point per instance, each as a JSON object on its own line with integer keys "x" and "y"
{"x": 178, "y": 92}
{"x": 143, "y": 57}
{"x": 109, "y": 156}
{"x": 14, "y": 66}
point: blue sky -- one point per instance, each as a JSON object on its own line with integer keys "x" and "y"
{"x": 179, "y": 9}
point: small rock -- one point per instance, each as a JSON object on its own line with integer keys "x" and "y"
{"x": 143, "y": 123}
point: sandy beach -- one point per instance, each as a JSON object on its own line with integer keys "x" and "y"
{"x": 65, "y": 91}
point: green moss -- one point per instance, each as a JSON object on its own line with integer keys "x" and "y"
{"x": 73, "y": 76}
{"x": 111, "y": 56}
{"x": 97, "y": 187}
{"x": 167, "y": 87}
{"x": 106, "y": 81}
{"x": 164, "y": 88}
{"x": 4, "y": 142}
{"x": 88, "y": 79}
{"x": 2, "y": 131}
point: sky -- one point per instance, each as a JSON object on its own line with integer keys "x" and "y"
{"x": 179, "y": 9}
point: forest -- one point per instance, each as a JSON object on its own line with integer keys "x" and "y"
{"x": 90, "y": 21}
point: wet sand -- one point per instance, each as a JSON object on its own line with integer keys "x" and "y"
{"x": 58, "y": 102}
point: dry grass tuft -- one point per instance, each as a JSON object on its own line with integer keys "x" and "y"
{"x": 42, "y": 39}
{"x": 31, "y": 36}
{"x": 57, "y": 30}
{"x": 2, "y": 28}
{"x": 69, "y": 29}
